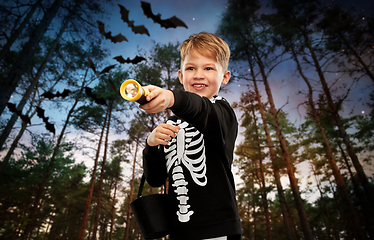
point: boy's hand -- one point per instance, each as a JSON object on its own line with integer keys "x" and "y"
{"x": 162, "y": 134}
{"x": 158, "y": 99}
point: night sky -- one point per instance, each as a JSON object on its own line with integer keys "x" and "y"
{"x": 198, "y": 16}
{"x": 205, "y": 15}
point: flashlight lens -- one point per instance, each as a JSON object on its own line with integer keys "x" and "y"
{"x": 131, "y": 90}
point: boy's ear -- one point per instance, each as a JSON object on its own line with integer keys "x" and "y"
{"x": 226, "y": 77}
{"x": 180, "y": 76}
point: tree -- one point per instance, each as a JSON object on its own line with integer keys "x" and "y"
{"x": 115, "y": 169}
{"x": 137, "y": 134}
{"x": 255, "y": 44}
{"x": 289, "y": 43}
{"x": 251, "y": 150}
{"x": 93, "y": 179}
{"x": 298, "y": 23}
{"x": 113, "y": 97}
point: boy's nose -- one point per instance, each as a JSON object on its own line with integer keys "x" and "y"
{"x": 199, "y": 75}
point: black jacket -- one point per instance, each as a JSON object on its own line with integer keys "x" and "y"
{"x": 198, "y": 165}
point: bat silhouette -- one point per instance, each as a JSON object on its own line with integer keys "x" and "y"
{"x": 113, "y": 86}
{"x": 96, "y": 99}
{"x": 24, "y": 118}
{"x": 98, "y": 73}
{"x": 172, "y": 22}
{"x": 51, "y": 95}
{"x": 135, "y": 60}
{"x": 125, "y": 17}
{"x": 108, "y": 35}
{"x": 49, "y": 126}
{"x": 105, "y": 70}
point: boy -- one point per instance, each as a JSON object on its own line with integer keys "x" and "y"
{"x": 194, "y": 148}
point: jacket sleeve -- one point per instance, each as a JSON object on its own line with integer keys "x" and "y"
{"x": 217, "y": 121}
{"x": 154, "y": 165}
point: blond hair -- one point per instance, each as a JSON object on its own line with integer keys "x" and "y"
{"x": 207, "y": 44}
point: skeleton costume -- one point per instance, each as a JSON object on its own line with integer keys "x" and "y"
{"x": 198, "y": 165}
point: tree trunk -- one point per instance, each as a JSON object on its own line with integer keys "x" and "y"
{"x": 290, "y": 169}
{"x": 254, "y": 214}
{"x": 5, "y": 49}
{"x": 98, "y": 207}
{"x": 8, "y": 128}
{"x": 128, "y": 218}
{"x": 91, "y": 226}
{"x": 330, "y": 226}
{"x": 82, "y": 228}
{"x": 348, "y": 206}
{"x": 262, "y": 179}
{"x": 10, "y": 83}
{"x": 104, "y": 227}
{"x": 113, "y": 209}
{"x": 12, "y": 147}
{"x": 65, "y": 227}
{"x": 286, "y": 217}
{"x": 366, "y": 209}
{"x": 356, "y": 163}
{"x": 249, "y": 221}
{"x": 60, "y": 228}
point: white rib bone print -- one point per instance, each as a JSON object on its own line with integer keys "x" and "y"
{"x": 187, "y": 149}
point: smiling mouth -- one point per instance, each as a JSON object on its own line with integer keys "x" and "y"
{"x": 199, "y": 85}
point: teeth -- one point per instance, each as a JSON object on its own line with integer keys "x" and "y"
{"x": 199, "y": 85}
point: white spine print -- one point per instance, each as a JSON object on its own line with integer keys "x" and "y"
{"x": 191, "y": 154}
{"x": 181, "y": 191}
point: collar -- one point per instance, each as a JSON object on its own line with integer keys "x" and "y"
{"x": 215, "y": 98}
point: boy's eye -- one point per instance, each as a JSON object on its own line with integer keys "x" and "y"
{"x": 209, "y": 68}
{"x": 190, "y": 68}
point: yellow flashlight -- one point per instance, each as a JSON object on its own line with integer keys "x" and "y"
{"x": 131, "y": 90}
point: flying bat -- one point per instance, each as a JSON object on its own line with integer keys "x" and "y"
{"x": 96, "y": 99}
{"x": 98, "y": 73}
{"x": 113, "y": 86}
{"x": 51, "y": 95}
{"x": 49, "y": 126}
{"x": 12, "y": 107}
{"x": 108, "y": 35}
{"x": 135, "y": 60}
{"x": 172, "y": 22}
{"x": 24, "y": 118}
{"x": 125, "y": 17}
{"x": 105, "y": 70}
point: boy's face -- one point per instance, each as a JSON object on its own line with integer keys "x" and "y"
{"x": 202, "y": 75}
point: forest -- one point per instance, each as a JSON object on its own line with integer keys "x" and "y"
{"x": 71, "y": 146}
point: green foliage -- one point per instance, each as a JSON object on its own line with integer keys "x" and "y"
{"x": 21, "y": 178}
{"x": 88, "y": 118}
